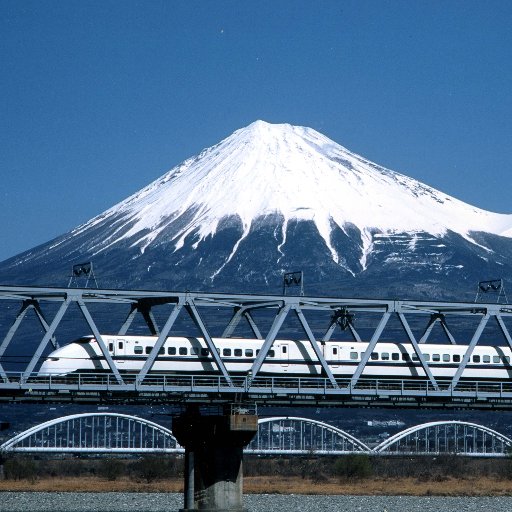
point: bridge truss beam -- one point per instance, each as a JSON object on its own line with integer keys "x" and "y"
{"x": 113, "y": 433}
{"x": 95, "y": 433}
{"x": 315, "y": 315}
{"x": 303, "y": 436}
{"x": 447, "y": 437}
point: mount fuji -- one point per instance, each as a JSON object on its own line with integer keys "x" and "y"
{"x": 273, "y": 198}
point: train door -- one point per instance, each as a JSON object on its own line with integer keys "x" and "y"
{"x": 334, "y": 356}
{"x": 284, "y": 354}
{"x": 119, "y": 350}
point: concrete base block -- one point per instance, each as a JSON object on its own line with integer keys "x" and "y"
{"x": 213, "y": 459}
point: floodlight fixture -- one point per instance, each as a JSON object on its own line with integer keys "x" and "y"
{"x": 82, "y": 271}
{"x": 293, "y": 279}
{"x": 493, "y": 287}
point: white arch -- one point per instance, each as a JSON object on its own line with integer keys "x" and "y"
{"x": 404, "y": 433}
{"x": 341, "y": 433}
{"x": 359, "y": 445}
{"x": 10, "y": 444}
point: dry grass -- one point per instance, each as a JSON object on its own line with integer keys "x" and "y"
{"x": 91, "y": 484}
{"x": 382, "y": 486}
{"x": 482, "y": 486}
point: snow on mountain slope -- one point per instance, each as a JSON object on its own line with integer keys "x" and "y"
{"x": 267, "y": 169}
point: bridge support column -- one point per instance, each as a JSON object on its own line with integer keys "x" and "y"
{"x": 213, "y": 457}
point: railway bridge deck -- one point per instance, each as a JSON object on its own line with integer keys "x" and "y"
{"x": 35, "y": 320}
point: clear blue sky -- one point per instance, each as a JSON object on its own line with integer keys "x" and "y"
{"x": 98, "y": 98}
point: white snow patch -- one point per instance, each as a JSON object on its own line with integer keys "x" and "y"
{"x": 284, "y": 229}
{"x": 233, "y": 252}
{"x": 298, "y": 174}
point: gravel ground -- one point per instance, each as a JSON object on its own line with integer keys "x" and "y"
{"x": 159, "y": 502}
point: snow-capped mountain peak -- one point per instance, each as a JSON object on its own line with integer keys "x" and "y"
{"x": 298, "y": 174}
{"x": 274, "y": 198}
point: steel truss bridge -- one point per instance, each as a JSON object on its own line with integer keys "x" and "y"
{"x": 111, "y": 433}
{"x": 266, "y": 317}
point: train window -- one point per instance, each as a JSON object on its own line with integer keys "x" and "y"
{"x": 495, "y": 359}
{"x": 257, "y": 351}
{"x": 334, "y": 351}
{"x": 353, "y": 355}
{"x": 476, "y": 359}
{"x": 446, "y": 358}
{"x": 456, "y": 358}
{"x": 226, "y": 352}
{"x": 436, "y": 358}
{"x": 374, "y": 356}
{"x": 395, "y": 356}
{"x": 171, "y": 351}
{"x": 205, "y": 352}
{"x": 271, "y": 353}
{"x": 138, "y": 349}
{"x": 162, "y": 350}
{"x": 111, "y": 347}
{"x": 120, "y": 345}
{"x": 238, "y": 352}
{"x": 385, "y": 356}
{"x": 426, "y": 357}
{"x": 486, "y": 359}
{"x": 149, "y": 349}
{"x": 194, "y": 351}
{"x": 183, "y": 351}
{"x": 405, "y": 356}
{"x": 249, "y": 352}
{"x": 506, "y": 359}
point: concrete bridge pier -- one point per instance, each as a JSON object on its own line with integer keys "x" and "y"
{"x": 213, "y": 457}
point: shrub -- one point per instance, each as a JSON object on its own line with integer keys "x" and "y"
{"x": 19, "y": 468}
{"x": 506, "y": 468}
{"x": 354, "y": 466}
{"x": 111, "y": 469}
{"x": 152, "y": 468}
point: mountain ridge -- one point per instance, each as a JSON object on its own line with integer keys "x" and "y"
{"x": 296, "y": 199}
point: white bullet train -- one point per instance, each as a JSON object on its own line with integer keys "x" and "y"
{"x": 287, "y": 357}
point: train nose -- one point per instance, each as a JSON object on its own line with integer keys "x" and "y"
{"x": 50, "y": 366}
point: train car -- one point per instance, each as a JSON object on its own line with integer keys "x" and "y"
{"x": 286, "y": 357}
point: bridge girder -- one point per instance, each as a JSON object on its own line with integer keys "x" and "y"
{"x": 310, "y": 437}
{"x": 197, "y": 305}
{"x": 290, "y": 426}
{"x": 51, "y": 426}
{"x": 385, "y": 446}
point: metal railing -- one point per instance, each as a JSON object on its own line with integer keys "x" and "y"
{"x": 270, "y": 386}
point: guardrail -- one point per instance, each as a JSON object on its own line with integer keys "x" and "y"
{"x": 260, "y": 389}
